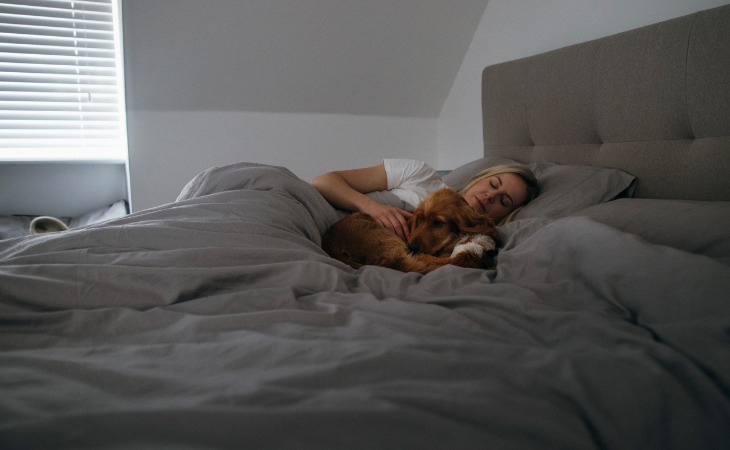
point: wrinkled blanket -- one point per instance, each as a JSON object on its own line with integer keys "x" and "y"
{"x": 217, "y": 321}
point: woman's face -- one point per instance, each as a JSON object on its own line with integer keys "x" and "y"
{"x": 497, "y": 196}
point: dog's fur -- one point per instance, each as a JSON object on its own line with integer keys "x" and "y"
{"x": 444, "y": 229}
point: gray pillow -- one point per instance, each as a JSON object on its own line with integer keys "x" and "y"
{"x": 693, "y": 226}
{"x": 564, "y": 189}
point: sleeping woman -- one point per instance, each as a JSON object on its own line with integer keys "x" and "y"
{"x": 496, "y": 191}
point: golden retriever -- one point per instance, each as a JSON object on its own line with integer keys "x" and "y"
{"x": 444, "y": 229}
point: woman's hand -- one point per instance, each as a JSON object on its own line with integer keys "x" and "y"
{"x": 390, "y": 217}
{"x": 346, "y": 189}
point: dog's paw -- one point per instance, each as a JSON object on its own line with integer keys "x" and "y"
{"x": 476, "y": 244}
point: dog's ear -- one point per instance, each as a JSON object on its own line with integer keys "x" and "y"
{"x": 413, "y": 220}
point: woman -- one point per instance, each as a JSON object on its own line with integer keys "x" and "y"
{"x": 497, "y": 191}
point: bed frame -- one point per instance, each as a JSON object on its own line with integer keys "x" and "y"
{"x": 653, "y": 101}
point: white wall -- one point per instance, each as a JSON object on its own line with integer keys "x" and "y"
{"x": 512, "y": 29}
{"x": 312, "y": 85}
{"x": 166, "y": 149}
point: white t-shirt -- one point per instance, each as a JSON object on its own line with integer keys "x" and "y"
{"x": 411, "y": 180}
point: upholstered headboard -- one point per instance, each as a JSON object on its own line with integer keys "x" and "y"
{"x": 654, "y": 102}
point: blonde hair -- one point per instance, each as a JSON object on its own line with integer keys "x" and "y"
{"x": 520, "y": 169}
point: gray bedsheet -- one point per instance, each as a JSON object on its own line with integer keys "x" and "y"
{"x": 218, "y": 322}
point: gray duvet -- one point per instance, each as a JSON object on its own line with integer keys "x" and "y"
{"x": 218, "y": 322}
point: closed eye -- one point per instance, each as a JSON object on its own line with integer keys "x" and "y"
{"x": 506, "y": 201}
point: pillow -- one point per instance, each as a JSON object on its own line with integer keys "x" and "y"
{"x": 693, "y": 226}
{"x": 564, "y": 189}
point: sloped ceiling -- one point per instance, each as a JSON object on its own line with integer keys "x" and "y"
{"x": 371, "y": 57}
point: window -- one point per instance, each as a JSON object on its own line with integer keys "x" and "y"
{"x": 61, "y": 82}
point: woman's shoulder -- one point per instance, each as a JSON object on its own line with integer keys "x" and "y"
{"x": 408, "y": 169}
{"x": 412, "y": 179}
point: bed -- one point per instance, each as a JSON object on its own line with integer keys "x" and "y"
{"x": 217, "y": 321}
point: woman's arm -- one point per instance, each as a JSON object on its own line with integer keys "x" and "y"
{"x": 346, "y": 189}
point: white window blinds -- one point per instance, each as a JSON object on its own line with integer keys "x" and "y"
{"x": 61, "y": 86}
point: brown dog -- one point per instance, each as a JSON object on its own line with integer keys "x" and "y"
{"x": 444, "y": 230}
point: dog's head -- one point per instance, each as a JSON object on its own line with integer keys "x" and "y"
{"x": 442, "y": 219}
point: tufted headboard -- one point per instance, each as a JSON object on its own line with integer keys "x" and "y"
{"x": 654, "y": 102}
